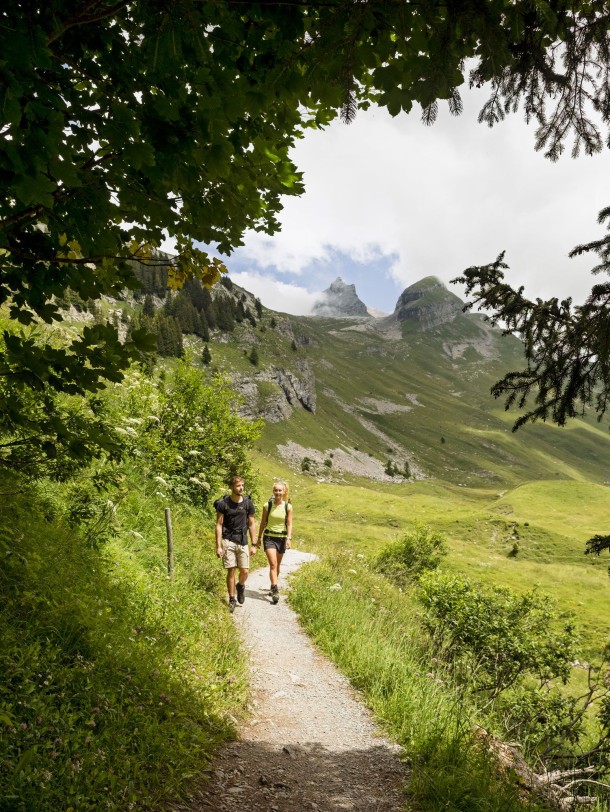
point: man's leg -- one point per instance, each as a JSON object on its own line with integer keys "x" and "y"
{"x": 241, "y": 586}
{"x": 231, "y": 581}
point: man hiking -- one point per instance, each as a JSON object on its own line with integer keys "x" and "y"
{"x": 234, "y": 520}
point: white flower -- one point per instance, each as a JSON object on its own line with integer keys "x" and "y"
{"x": 161, "y": 481}
{"x": 136, "y": 534}
{"x": 334, "y": 588}
{"x": 194, "y": 453}
{"x": 179, "y": 458}
{"x": 162, "y": 495}
{"x": 135, "y": 420}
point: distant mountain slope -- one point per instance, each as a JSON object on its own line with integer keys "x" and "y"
{"x": 392, "y": 399}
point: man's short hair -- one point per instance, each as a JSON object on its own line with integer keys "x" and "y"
{"x": 234, "y": 480}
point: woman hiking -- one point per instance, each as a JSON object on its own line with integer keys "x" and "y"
{"x": 276, "y": 533}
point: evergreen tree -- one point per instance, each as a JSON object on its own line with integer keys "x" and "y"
{"x": 253, "y": 357}
{"x": 259, "y": 308}
{"x": 148, "y": 308}
{"x": 206, "y": 355}
{"x": 201, "y": 327}
{"x": 225, "y": 320}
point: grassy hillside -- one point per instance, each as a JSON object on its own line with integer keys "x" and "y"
{"x": 117, "y": 683}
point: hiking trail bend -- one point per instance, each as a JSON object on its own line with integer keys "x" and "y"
{"x": 309, "y": 743}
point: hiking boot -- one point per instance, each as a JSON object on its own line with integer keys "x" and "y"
{"x": 275, "y": 594}
{"x": 232, "y": 604}
{"x": 241, "y": 593}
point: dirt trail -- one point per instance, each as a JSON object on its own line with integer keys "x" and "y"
{"x": 309, "y": 743}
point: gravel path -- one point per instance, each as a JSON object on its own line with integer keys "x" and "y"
{"x": 309, "y": 743}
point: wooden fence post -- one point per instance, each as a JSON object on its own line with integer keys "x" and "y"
{"x": 170, "y": 543}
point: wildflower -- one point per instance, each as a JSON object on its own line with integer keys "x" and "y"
{"x": 161, "y": 481}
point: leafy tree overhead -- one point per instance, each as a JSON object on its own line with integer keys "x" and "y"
{"x": 125, "y": 123}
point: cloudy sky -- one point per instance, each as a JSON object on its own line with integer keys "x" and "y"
{"x": 389, "y": 201}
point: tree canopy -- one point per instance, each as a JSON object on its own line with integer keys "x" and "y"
{"x": 124, "y": 123}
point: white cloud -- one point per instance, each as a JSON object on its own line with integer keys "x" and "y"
{"x": 432, "y": 201}
{"x": 276, "y": 295}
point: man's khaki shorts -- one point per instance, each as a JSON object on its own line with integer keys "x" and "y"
{"x": 235, "y": 555}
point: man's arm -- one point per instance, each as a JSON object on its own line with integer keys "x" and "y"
{"x": 218, "y": 529}
{"x": 252, "y": 530}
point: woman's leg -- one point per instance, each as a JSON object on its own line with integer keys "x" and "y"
{"x": 272, "y": 558}
{"x": 279, "y": 561}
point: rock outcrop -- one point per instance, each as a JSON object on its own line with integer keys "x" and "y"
{"x": 275, "y": 392}
{"x": 340, "y": 301}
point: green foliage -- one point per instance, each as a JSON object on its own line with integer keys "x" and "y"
{"x": 407, "y": 558}
{"x": 185, "y": 431}
{"x": 116, "y": 684}
{"x": 206, "y": 355}
{"x": 495, "y": 636}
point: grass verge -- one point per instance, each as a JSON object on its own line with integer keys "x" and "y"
{"x": 371, "y": 631}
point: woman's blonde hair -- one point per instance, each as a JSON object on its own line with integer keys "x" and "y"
{"x": 284, "y": 485}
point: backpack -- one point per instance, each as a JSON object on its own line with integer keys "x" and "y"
{"x": 220, "y": 499}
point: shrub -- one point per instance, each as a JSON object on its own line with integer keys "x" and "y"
{"x": 495, "y": 636}
{"x": 407, "y": 558}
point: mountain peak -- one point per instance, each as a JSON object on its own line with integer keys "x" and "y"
{"x": 429, "y": 302}
{"x": 340, "y": 300}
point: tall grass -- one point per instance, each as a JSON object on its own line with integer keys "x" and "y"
{"x": 371, "y": 631}
{"x": 117, "y": 684}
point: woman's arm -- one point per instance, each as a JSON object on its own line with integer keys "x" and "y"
{"x": 289, "y": 526}
{"x": 261, "y": 527}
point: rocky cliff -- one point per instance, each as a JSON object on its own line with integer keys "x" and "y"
{"x": 340, "y": 301}
{"x": 274, "y": 392}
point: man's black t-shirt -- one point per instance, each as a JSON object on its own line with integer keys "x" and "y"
{"x": 235, "y": 521}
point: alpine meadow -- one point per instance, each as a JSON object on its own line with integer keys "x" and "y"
{"x": 461, "y": 582}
